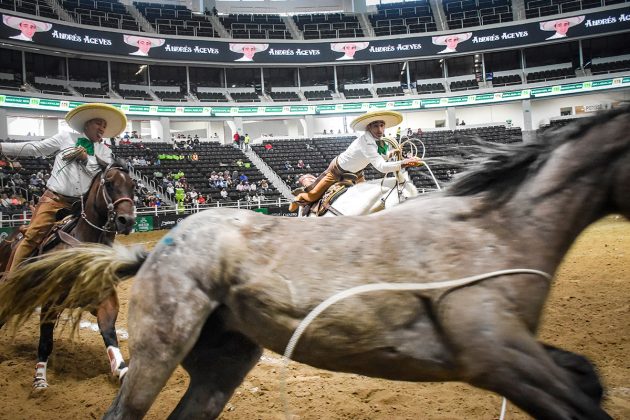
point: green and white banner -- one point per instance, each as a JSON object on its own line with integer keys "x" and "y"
{"x": 398, "y": 104}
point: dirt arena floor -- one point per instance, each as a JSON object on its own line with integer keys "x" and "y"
{"x": 588, "y": 313}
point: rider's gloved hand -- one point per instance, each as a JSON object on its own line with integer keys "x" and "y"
{"x": 412, "y": 161}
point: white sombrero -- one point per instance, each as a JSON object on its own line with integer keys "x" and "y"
{"x": 238, "y": 48}
{"x": 339, "y": 46}
{"x": 390, "y": 118}
{"x": 14, "y": 22}
{"x": 550, "y": 25}
{"x": 441, "y": 40}
{"x": 116, "y": 119}
{"x": 133, "y": 40}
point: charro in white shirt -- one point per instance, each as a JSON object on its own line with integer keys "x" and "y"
{"x": 71, "y": 179}
{"x": 363, "y": 151}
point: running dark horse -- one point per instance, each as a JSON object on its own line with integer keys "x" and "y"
{"x": 106, "y": 209}
{"x": 226, "y": 283}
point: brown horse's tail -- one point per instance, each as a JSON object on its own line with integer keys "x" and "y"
{"x": 80, "y": 277}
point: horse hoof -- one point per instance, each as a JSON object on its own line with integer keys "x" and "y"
{"x": 39, "y": 384}
{"x": 122, "y": 374}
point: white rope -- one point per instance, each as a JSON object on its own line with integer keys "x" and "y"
{"x": 503, "y": 407}
{"x": 288, "y": 352}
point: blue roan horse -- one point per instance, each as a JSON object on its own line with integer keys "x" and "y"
{"x": 226, "y": 283}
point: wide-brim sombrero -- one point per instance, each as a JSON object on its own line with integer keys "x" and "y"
{"x": 116, "y": 119}
{"x": 390, "y": 118}
{"x": 441, "y": 40}
{"x": 339, "y": 46}
{"x": 133, "y": 40}
{"x": 238, "y": 48}
{"x": 550, "y": 25}
{"x": 14, "y": 22}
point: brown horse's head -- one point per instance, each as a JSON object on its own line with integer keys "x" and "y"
{"x": 114, "y": 196}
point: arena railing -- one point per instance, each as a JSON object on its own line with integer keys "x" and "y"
{"x": 16, "y": 219}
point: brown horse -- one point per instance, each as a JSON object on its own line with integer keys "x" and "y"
{"x": 226, "y": 283}
{"x": 106, "y": 209}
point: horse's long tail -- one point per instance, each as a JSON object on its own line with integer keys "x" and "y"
{"x": 79, "y": 277}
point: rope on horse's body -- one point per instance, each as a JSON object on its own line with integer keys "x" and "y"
{"x": 310, "y": 317}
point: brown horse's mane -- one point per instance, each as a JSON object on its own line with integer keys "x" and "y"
{"x": 499, "y": 169}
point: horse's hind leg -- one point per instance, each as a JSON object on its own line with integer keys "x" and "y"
{"x": 166, "y": 314}
{"x": 45, "y": 347}
{"x": 217, "y": 365}
{"x": 106, "y": 315}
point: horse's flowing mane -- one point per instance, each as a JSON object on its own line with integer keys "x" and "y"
{"x": 499, "y": 169}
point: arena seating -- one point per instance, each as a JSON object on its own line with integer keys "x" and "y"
{"x": 329, "y": 25}
{"x": 431, "y": 88}
{"x": 539, "y": 8}
{"x": 212, "y": 157}
{"x": 135, "y": 94}
{"x": 255, "y": 26}
{"x": 318, "y": 95}
{"x": 464, "y": 85}
{"x": 284, "y": 96}
{"x": 30, "y": 7}
{"x": 171, "y": 19}
{"x": 553, "y": 74}
{"x": 390, "y": 91}
{"x": 512, "y": 79}
{"x": 244, "y": 97}
{"x": 210, "y": 96}
{"x": 403, "y": 18}
{"x": 10, "y": 84}
{"x": 610, "y": 67}
{"x": 468, "y": 13}
{"x": 55, "y": 89}
{"x": 109, "y": 14}
{"x": 92, "y": 92}
{"x": 357, "y": 93}
{"x": 170, "y": 96}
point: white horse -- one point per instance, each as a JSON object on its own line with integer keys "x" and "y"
{"x": 372, "y": 196}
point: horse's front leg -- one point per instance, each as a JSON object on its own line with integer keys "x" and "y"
{"x": 106, "y": 315}
{"x": 46, "y": 327}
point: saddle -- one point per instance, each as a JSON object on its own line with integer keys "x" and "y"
{"x": 324, "y": 204}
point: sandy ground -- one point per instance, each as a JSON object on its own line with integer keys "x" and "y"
{"x": 588, "y": 313}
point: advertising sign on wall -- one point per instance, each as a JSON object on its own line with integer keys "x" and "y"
{"x": 143, "y": 224}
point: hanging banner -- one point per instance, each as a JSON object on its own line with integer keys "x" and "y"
{"x": 38, "y": 32}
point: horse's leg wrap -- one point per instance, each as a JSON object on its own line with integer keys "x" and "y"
{"x": 39, "y": 381}
{"x": 116, "y": 362}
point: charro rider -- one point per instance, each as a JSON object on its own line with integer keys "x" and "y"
{"x": 75, "y": 166}
{"x": 366, "y": 149}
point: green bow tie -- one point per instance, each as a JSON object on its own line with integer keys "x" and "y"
{"x": 86, "y": 144}
{"x": 382, "y": 147}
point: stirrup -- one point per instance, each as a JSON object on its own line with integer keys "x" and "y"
{"x": 297, "y": 191}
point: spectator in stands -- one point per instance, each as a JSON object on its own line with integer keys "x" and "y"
{"x": 463, "y": 122}
{"x": 224, "y": 194}
{"x": 348, "y": 49}
{"x": 246, "y": 142}
{"x": 409, "y": 132}
{"x": 419, "y": 133}
{"x": 248, "y": 50}
{"x": 75, "y": 165}
{"x": 28, "y": 27}
{"x": 300, "y": 164}
{"x": 201, "y": 199}
{"x": 264, "y": 185}
{"x": 561, "y": 26}
{"x": 366, "y": 149}
{"x": 398, "y": 133}
{"x": 243, "y": 178}
{"x": 324, "y": 131}
{"x": 451, "y": 41}
{"x": 268, "y": 147}
{"x": 288, "y": 166}
{"x": 144, "y": 44}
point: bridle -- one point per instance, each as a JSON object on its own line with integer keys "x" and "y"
{"x": 110, "y": 224}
